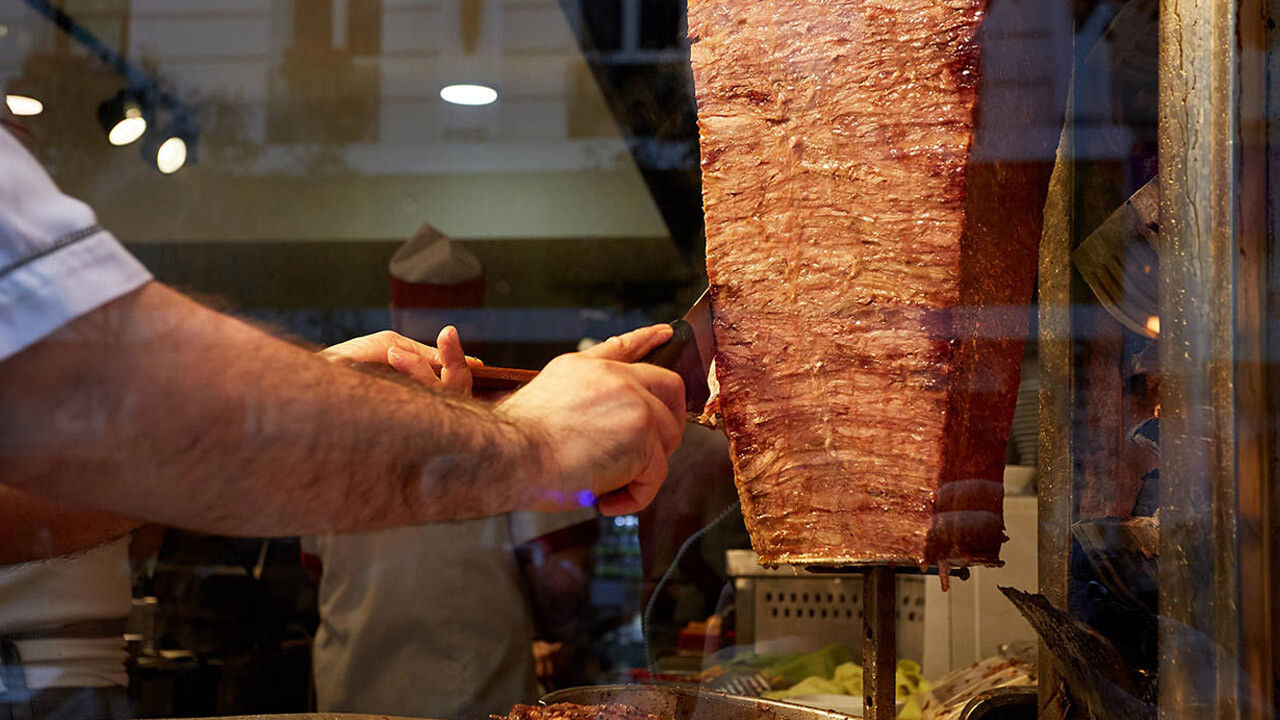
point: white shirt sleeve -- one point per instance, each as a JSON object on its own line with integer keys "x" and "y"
{"x": 56, "y": 262}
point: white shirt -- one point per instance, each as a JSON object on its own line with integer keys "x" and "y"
{"x": 56, "y": 263}
{"x": 84, "y": 586}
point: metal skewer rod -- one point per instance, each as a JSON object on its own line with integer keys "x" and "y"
{"x": 879, "y": 644}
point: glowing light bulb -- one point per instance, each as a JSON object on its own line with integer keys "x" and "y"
{"x": 23, "y": 105}
{"x": 172, "y": 155}
{"x": 1153, "y": 324}
{"x": 468, "y": 94}
{"x": 129, "y": 129}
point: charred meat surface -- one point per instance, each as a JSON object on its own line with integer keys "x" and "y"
{"x": 572, "y": 711}
{"x": 868, "y": 293}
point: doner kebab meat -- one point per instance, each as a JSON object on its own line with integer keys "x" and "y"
{"x": 869, "y": 277}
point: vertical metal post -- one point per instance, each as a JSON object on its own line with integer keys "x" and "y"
{"x": 879, "y": 644}
{"x": 1214, "y": 511}
{"x": 1257, "y": 265}
{"x": 631, "y": 10}
{"x": 1055, "y": 459}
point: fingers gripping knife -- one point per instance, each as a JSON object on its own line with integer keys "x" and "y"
{"x": 689, "y": 353}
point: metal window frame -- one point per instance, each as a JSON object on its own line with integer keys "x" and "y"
{"x": 1216, "y": 427}
{"x": 1219, "y": 151}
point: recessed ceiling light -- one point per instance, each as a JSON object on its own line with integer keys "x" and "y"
{"x": 23, "y": 105}
{"x": 468, "y": 94}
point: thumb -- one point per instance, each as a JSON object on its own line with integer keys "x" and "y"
{"x": 454, "y": 371}
{"x": 631, "y": 346}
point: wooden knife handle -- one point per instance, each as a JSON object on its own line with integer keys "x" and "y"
{"x": 483, "y": 378}
{"x": 496, "y": 378}
{"x": 668, "y": 353}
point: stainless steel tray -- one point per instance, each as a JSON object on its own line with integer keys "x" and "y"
{"x": 678, "y": 702}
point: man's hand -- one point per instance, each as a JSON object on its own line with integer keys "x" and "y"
{"x": 411, "y": 358}
{"x": 605, "y": 424}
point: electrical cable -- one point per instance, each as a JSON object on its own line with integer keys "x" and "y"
{"x": 662, "y": 581}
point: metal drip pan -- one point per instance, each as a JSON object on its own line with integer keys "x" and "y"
{"x": 678, "y": 702}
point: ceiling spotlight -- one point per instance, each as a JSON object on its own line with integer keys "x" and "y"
{"x": 171, "y": 155}
{"x": 468, "y": 94}
{"x": 23, "y": 105}
{"x": 123, "y": 118}
{"x": 170, "y": 151}
{"x": 128, "y": 129}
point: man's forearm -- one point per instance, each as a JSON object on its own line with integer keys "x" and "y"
{"x": 33, "y": 528}
{"x": 211, "y": 424}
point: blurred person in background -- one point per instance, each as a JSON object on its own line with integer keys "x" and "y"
{"x": 125, "y": 401}
{"x": 441, "y": 620}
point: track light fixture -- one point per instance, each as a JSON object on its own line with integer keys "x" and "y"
{"x": 144, "y": 109}
{"x": 170, "y": 147}
{"x": 124, "y": 117}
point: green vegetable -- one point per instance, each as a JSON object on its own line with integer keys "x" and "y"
{"x": 845, "y": 678}
{"x": 808, "y": 686}
{"x": 821, "y": 663}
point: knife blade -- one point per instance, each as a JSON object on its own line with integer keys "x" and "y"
{"x": 689, "y": 352}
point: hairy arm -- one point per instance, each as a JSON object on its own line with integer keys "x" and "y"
{"x": 158, "y": 408}
{"x": 33, "y": 528}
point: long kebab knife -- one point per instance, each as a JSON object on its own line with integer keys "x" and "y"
{"x": 689, "y": 353}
